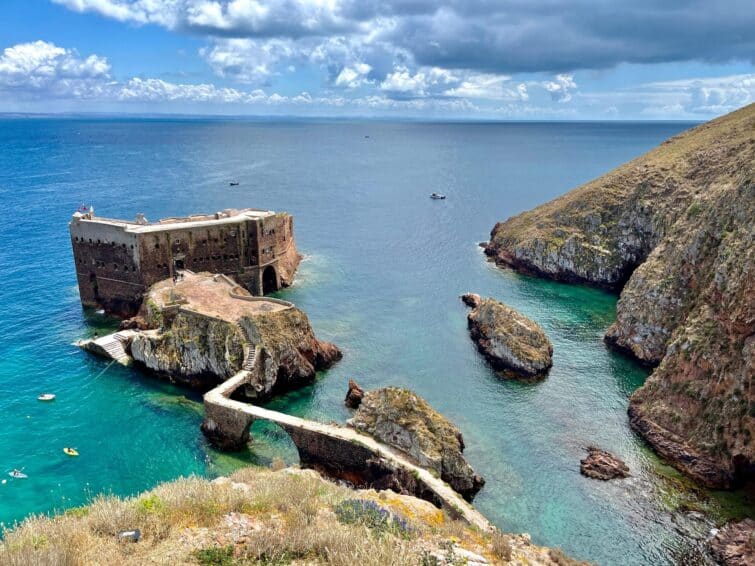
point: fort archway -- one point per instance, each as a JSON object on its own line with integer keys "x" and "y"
{"x": 269, "y": 280}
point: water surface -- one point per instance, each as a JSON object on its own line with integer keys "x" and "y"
{"x": 383, "y": 271}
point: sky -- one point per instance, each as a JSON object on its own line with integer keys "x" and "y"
{"x": 444, "y": 59}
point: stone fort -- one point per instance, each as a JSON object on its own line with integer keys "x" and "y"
{"x": 118, "y": 260}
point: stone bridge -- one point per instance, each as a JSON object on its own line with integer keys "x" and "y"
{"x": 335, "y": 450}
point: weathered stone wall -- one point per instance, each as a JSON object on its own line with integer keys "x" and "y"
{"x": 115, "y": 266}
{"x": 107, "y": 266}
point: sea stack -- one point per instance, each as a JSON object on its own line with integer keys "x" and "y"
{"x": 511, "y": 342}
{"x": 404, "y": 420}
{"x": 673, "y": 231}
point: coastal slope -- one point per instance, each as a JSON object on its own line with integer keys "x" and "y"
{"x": 673, "y": 230}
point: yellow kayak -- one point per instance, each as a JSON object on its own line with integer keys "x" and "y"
{"x": 71, "y": 451}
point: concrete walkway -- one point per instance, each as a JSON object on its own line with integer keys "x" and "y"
{"x": 218, "y": 400}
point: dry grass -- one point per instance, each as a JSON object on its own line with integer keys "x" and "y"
{"x": 289, "y": 518}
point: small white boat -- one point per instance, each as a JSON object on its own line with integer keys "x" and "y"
{"x": 18, "y": 474}
{"x": 46, "y": 397}
{"x": 437, "y": 196}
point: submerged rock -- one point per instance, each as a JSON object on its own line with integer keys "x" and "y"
{"x": 734, "y": 544}
{"x": 402, "y": 419}
{"x": 510, "y": 341}
{"x": 602, "y": 465}
{"x": 354, "y": 395}
{"x": 673, "y": 230}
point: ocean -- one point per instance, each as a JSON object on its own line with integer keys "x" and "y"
{"x": 383, "y": 270}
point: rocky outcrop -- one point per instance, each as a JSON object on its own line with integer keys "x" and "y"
{"x": 673, "y": 230}
{"x": 402, "y": 419}
{"x": 354, "y": 395}
{"x": 602, "y": 465}
{"x": 734, "y": 544}
{"x": 206, "y": 336}
{"x": 512, "y": 343}
{"x": 290, "y": 353}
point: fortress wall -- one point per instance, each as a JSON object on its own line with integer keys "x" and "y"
{"x": 115, "y": 272}
{"x": 106, "y": 258}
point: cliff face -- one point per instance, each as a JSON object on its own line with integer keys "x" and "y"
{"x": 194, "y": 350}
{"x": 402, "y": 419}
{"x": 204, "y": 339}
{"x": 674, "y": 230}
{"x": 291, "y": 354}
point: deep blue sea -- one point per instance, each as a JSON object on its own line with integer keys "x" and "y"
{"x": 384, "y": 268}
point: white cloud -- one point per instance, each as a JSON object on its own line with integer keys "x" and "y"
{"x": 420, "y": 83}
{"x": 561, "y": 87}
{"x": 485, "y": 85}
{"x": 163, "y": 12}
{"x": 246, "y": 60}
{"x": 354, "y": 76}
{"x": 713, "y": 95}
{"x": 42, "y": 67}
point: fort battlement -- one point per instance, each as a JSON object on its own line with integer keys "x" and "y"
{"x": 118, "y": 260}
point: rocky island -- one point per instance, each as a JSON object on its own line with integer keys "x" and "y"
{"x": 205, "y": 328}
{"x": 673, "y": 231}
{"x": 403, "y": 419}
{"x": 511, "y": 342}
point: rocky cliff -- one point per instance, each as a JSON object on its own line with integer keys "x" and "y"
{"x": 402, "y": 419}
{"x": 673, "y": 230}
{"x": 201, "y": 335}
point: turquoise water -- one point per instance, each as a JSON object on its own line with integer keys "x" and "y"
{"x": 383, "y": 271}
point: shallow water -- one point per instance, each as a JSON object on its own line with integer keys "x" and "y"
{"x": 383, "y": 271}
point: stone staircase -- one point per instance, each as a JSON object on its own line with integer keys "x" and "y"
{"x": 250, "y": 351}
{"x": 113, "y": 346}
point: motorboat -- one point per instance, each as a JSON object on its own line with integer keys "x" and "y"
{"x": 437, "y": 196}
{"x": 46, "y": 397}
{"x": 18, "y": 474}
{"x": 234, "y": 183}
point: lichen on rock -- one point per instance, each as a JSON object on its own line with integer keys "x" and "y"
{"x": 200, "y": 336}
{"x": 673, "y": 230}
{"x": 511, "y": 342}
{"x": 402, "y": 419}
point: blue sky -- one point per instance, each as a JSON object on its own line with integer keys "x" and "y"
{"x": 479, "y": 59}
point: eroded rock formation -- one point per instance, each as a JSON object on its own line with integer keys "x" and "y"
{"x": 511, "y": 342}
{"x": 354, "y": 395}
{"x": 201, "y": 336}
{"x": 602, "y": 465}
{"x": 734, "y": 544}
{"x": 402, "y": 419}
{"x": 674, "y": 230}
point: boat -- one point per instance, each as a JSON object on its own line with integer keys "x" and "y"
{"x": 46, "y": 397}
{"x": 71, "y": 451}
{"x": 437, "y": 196}
{"x": 234, "y": 183}
{"x": 18, "y": 474}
